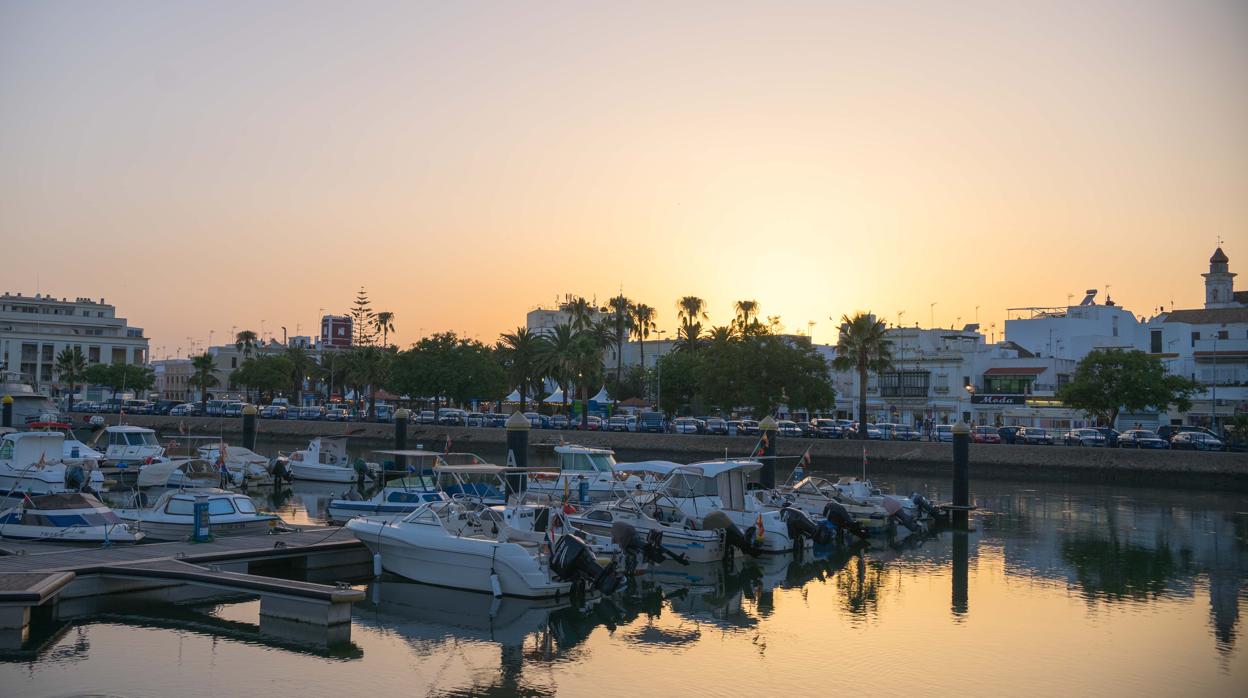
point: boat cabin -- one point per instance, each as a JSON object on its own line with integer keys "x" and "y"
{"x": 724, "y": 480}
{"x": 21, "y": 449}
{"x": 582, "y": 460}
{"x": 325, "y": 450}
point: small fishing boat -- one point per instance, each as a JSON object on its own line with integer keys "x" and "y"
{"x": 74, "y": 517}
{"x": 453, "y": 544}
{"x": 32, "y": 462}
{"x": 244, "y": 465}
{"x": 172, "y": 517}
{"x": 326, "y": 460}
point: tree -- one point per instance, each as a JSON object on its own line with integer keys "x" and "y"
{"x": 690, "y": 310}
{"x": 71, "y": 366}
{"x": 383, "y": 322}
{"x": 688, "y": 337}
{"x": 862, "y": 346}
{"x": 621, "y": 325}
{"x": 559, "y": 357}
{"x": 203, "y": 376}
{"x": 362, "y": 323}
{"x": 302, "y": 366}
{"x": 246, "y": 342}
{"x": 746, "y": 317}
{"x": 587, "y": 366}
{"x": 368, "y": 368}
{"x": 1107, "y": 381}
{"x": 643, "y": 326}
{"x": 679, "y": 371}
{"x": 121, "y": 377}
{"x": 580, "y": 313}
{"x": 521, "y": 353}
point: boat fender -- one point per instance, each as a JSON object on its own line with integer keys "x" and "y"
{"x": 376, "y": 564}
{"x": 495, "y": 587}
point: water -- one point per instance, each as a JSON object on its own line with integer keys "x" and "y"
{"x": 1059, "y": 589}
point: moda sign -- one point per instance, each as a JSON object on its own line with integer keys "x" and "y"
{"x": 999, "y": 399}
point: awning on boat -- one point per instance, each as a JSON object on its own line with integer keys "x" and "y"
{"x": 718, "y": 467}
{"x": 660, "y": 467}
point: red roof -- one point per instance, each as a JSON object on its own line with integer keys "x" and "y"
{"x": 1021, "y": 371}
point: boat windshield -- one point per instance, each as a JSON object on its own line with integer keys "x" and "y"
{"x": 245, "y": 505}
{"x": 685, "y": 484}
{"x": 142, "y": 438}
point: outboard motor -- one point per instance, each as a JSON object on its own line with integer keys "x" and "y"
{"x": 75, "y": 477}
{"x": 573, "y": 561}
{"x": 652, "y": 550}
{"x": 718, "y": 520}
{"x": 799, "y": 526}
{"x": 839, "y": 515}
{"x": 923, "y": 505}
{"x": 281, "y": 471}
{"x": 897, "y": 511}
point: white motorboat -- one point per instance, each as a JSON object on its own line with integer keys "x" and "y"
{"x": 125, "y": 445}
{"x": 74, "y": 517}
{"x": 397, "y": 499}
{"x": 172, "y": 517}
{"x": 73, "y": 450}
{"x": 179, "y": 472}
{"x": 585, "y": 474}
{"x": 452, "y": 544}
{"x": 28, "y": 405}
{"x": 713, "y": 494}
{"x": 326, "y": 460}
{"x": 676, "y": 532}
{"x": 856, "y": 491}
{"x": 243, "y": 464}
{"x": 32, "y": 462}
{"x": 814, "y": 495}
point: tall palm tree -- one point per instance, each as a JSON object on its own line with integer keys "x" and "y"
{"x": 559, "y": 357}
{"x": 246, "y": 342}
{"x": 203, "y": 376}
{"x": 690, "y": 309}
{"x": 302, "y": 365}
{"x": 719, "y": 335}
{"x": 587, "y": 363}
{"x": 71, "y": 365}
{"x": 522, "y": 353}
{"x": 580, "y": 313}
{"x": 643, "y": 326}
{"x": 384, "y": 322}
{"x": 747, "y": 312}
{"x": 863, "y": 346}
{"x": 688, "y": 337}
{"x": 621, "y": 326}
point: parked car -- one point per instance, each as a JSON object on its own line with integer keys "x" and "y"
{"x": 787, "y": 427}
{"x": 452, "y": 417}
{"x": 808, "y": 430}
{"x": 616, "y": 423}
{"x": 1141, "y": 438}
{"x": 715, "y": 425}
{"x": 1196, "y": 441}
{"x": 1083, "y": 437}
{"x": 272, "y": 412}
{"x": 652, "y": 422}
{"x": 592, "y": 423}
{"x": 943, "y": 432}
{"x": 985, "y": 435}
{"x": 1008, "y": 435}
{"x": 336, "y": 414}
{"x": 1111, "y": 436}
{"x": 749, "y": 427}
{"x": 828, "y": 428}
{"x": 874, "y": 433}
{"x": 1034, "y": 436}
{"x": 425, "y": 417}
{"x": 685, "y": 425}
{"x": 186, "y": 409}
{"x": 312, "y": 412}
{"x": 559, "y": 421}
{"x": 1167, "y": 431}
{"x": 234, "y": 409}
{"x": 383, "y": 413}
{"x": 535, "y": 420}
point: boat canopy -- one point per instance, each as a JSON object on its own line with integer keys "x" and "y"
{"x": 31, "y": 447}
{"x": 63, "y": 501}
{"x": 713, "y": 468}
{"x": 659, "y": 467}
{"x": 157, "y": 473}
{"x": 409, "y": 453}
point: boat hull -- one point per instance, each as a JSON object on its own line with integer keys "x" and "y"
{"x": 322, "y": 473}
{"x": 169, "y": 531}
{"x": 115, "y": 533}
{"x": 696, "y": 549}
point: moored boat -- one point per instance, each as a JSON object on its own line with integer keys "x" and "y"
{"x": 32, "y": 462}
{"x": 172, "y": 517}
{"x": 72, "y": 517}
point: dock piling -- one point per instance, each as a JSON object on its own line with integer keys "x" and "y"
{"x": 8, "y": 411}
{"x": 249, "y": 427}
{"x": 961, "y": 474}
{"x": 517, "y": 451}
{"x": 401, "y": 419}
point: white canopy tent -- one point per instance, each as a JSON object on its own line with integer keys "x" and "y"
{"x": 554, "y": 398}
{"x": 602, "y": 396}
{"x": 513, "y": 396}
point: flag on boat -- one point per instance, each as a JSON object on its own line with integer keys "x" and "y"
{"x": 805, "y": 460}
{"x": 764, "y": 440}
{"x": 221, "y": 457}
{"x": 448, "y": 445}
{"x": 758, "y": 530}
{"x": 42, "y": 461}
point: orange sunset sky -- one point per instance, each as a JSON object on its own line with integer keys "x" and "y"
{"x": 209, "y": 165}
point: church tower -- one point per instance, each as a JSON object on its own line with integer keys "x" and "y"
{"x": 1219, "y": 282}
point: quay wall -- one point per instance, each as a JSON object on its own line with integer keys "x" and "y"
{"x": 1183, "y": 469}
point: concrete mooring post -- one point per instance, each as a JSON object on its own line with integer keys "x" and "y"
{"x": 249, "y": 427}
{"x": 517, "y": 452}
{"x": 401, "y": 419}
{"x": 769, "y": 435}
{"x": 961, "y": 474}
{"x": 8, "y": 411}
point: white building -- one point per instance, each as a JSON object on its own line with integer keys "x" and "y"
{"x": 173, "y": 380}
{"x": 1209, "y": 345}
{"x": 1071, "y": 332}
{"x": 34, "y": 329}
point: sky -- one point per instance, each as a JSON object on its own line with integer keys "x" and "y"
{"x": 209, "y": 167}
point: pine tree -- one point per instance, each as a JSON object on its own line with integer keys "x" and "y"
{"x": 363, "y": 329}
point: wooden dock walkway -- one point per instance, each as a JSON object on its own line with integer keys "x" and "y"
{"x": 36, "y": 573}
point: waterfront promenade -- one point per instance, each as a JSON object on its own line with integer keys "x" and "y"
{"x": 1186, "y": 469}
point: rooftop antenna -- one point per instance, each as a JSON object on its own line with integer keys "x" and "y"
{"x": 931, "y": 318}
{"x": 977, "y": 315}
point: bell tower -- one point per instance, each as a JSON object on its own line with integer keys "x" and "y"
{"x": 1219, "y": 282}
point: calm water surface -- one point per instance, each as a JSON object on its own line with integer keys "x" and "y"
{"x": 1059, "y": 589}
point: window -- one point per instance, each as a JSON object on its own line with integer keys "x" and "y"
{"x": 904, "y": 383}
{"x": 1223, "y": 334}
{"x": 180, "y": 507}
{"x": 1154, "y": 341}
{"x": 1195, "y": 338}
{"x": 218, "y": 507}
{"x": 6, "y": 450}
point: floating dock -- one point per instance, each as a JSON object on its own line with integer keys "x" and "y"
{"x": 42, "y": 575}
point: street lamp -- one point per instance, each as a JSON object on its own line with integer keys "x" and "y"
{"x": 658, "y": 364}
{"x": 970, "y": 389}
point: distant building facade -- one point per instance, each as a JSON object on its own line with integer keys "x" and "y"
{"x": 173, "y": 378}
{"x": 336, "y": 331}
{"x": 34, "y": 329}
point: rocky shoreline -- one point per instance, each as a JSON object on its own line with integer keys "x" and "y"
{"x": 1185, "y": 469}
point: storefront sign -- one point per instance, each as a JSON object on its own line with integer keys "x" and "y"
{"x": 998, "y": 399}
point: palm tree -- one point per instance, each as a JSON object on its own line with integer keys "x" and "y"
{"x": 621, "y": 325}
{"x": 863, "y": 346}
{"x": 580, "y": 313}
{"x": 301, "y": 367}
{"x": 368, "y": 367}
{"x": 246, "y": 342}
{"x": 691, "y": 309}
{"x": 384, "y": 322}
{"x": 747, "y": 311}
{"x": 522, "y": 353}
{"x": 720, "y": 335}
{"x": 688, "y": 337}
{"x": 642, "y": 326}
{"x": 559, "y": 356}
{"x": 203, "y": 376}
{"x": 70, "y": 366}
{"x": 587, "y": 365}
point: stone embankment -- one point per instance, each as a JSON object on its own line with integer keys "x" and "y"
{"x": 1184, "y": 469}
